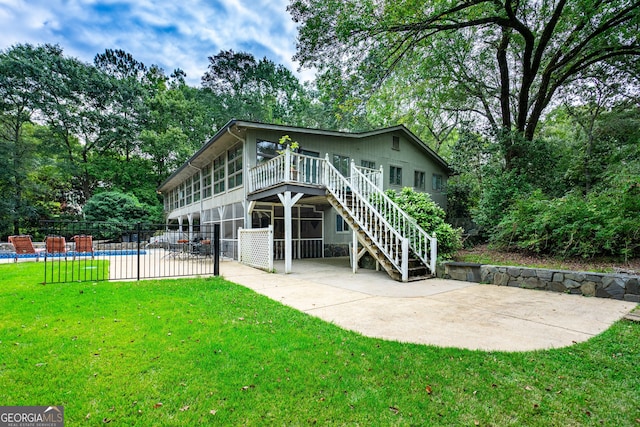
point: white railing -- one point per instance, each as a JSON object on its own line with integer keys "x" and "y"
{"x": 290, "y": 168}
{"x": 423, "y": 245}
{"x": 374, "y": 175}
{"x": 302, "y": 248}
{"x": 387, "y": 239}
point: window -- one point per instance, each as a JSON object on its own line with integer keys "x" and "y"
{"x": 436, "y": 182}
{"x": 341, "y": 225}
{"x": 188, "y": 190}
{"x": 206, "y": 181}
{"x": 368, "y": 164}
{"x": 218, "y": 175}
{"x": 396, "y": 143}
{"x": 235, "y": 167}
{"x": 395, "y": 175}
{"x": 181, "y": 194}
{"x": 266, "y": 150}
{"x": 196, "y": 187}
{"x": 341, "y": 163}
{"x": 418, "y": 180}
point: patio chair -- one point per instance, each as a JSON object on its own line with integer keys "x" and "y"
{"x": 23, "y": 245}
{"x": 56, "y": 245}
{"x": 84, "y": 244}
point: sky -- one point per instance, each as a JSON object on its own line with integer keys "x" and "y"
{"x": 169, "y": 33}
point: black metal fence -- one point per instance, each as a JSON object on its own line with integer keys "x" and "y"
{"x": 95, "y": 251}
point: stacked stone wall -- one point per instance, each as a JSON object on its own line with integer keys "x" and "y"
{"x": 604, "y": 285}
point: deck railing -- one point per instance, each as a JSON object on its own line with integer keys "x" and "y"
{"x": 290, "y": 168}
{"x": 423, "y": 245}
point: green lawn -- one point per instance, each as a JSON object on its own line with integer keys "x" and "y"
{"x": 206, "y": 351}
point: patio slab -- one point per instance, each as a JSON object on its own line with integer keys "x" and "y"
{"x": 444, "y": 313}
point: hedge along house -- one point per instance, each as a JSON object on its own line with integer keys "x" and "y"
{"x": 320, "y": 199}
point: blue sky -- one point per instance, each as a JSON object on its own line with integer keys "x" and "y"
{"x": 169, "y": 33}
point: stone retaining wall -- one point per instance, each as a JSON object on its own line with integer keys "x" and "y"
{"x": 604, "y": 285}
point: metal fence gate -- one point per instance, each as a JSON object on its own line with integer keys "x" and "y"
{"x": 95, "y": 251}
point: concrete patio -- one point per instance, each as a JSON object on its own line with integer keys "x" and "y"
{"x": 445, "y": 313}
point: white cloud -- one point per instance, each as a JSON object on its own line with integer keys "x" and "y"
{"x": 163, "y": 32}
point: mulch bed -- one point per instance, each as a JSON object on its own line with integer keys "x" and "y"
{"x": 632, "y": 266}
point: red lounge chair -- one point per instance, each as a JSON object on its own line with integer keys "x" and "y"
{"x": 24, "y": 245}
{"x": 56, "y": 245}
{"x": 84, "y": 244}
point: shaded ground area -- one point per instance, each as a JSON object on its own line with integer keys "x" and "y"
{"x": 486, "y": 255}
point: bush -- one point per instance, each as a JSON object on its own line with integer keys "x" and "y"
{"x": 117, "y": 211}
{"x": 499, "y": 191}
{"x": 604, "y": 224}
{"x": 431, "y": 218}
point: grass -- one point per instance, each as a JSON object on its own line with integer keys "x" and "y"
{"x": 205, "y": 351}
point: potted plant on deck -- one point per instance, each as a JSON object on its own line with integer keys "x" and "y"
{"x": 291, "y": 146}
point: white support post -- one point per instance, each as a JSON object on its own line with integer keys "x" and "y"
{"x": 270, "y": 238}
{"x": 190, "y": 218}
{"x": 381, "y": 183}
{"x": 434, "y": 255}
{"x": 354, "y": 252}
{"x": 326, "y": 169}
{"x": 287, "y": 202}
{"x": 287, "y": 165}
{"x": 405, "y": 260}
{"x": 240, "y": 245}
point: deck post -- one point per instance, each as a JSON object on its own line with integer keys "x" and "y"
{"x": 354, "y": 252}
{"x": 287, "y": 203}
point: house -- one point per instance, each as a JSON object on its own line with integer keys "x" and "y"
{"x": 320, "y": 199}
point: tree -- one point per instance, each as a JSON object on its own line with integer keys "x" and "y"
{"x": 253, "y": 90}
{"x": 116, "y": 211}
{"x": 509, "y": 58}
{"x": 25, "y": 73}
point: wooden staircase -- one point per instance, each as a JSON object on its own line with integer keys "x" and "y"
{"x": 417, "y": 270}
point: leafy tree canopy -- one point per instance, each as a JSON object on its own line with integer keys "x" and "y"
{"x": 505, "y": 61}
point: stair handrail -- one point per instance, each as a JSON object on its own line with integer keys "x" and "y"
{"x": 424, "y": 246}
{"x": 388, "y": 240}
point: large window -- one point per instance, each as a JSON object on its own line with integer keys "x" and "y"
{"x": 395, "y": 175}
{"x": 266, "y": 150}
{"x": 418, "y": 180}
{"x": 341, "y": 163}
{"x": 188, "y": 189}
{"x": 218, "y": 175}
{"x": 235, "y": 167}
{"x": 436, "y": 182}
{"x": 206, "y": 181}
{"x": 196, "y": 187}
{"x": 181, "y": 194}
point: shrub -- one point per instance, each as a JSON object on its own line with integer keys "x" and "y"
{"x": 431, "y": 218}
{"x": 604, "y": 224}
{"x": 116, "y": 211}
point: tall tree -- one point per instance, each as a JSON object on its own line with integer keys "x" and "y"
{"x": 253, "y": 89}
{"x": 24, "y": 74}
{"x": 510, "y": 58}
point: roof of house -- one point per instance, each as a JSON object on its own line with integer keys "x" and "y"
{"x": 234, "y": 129}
